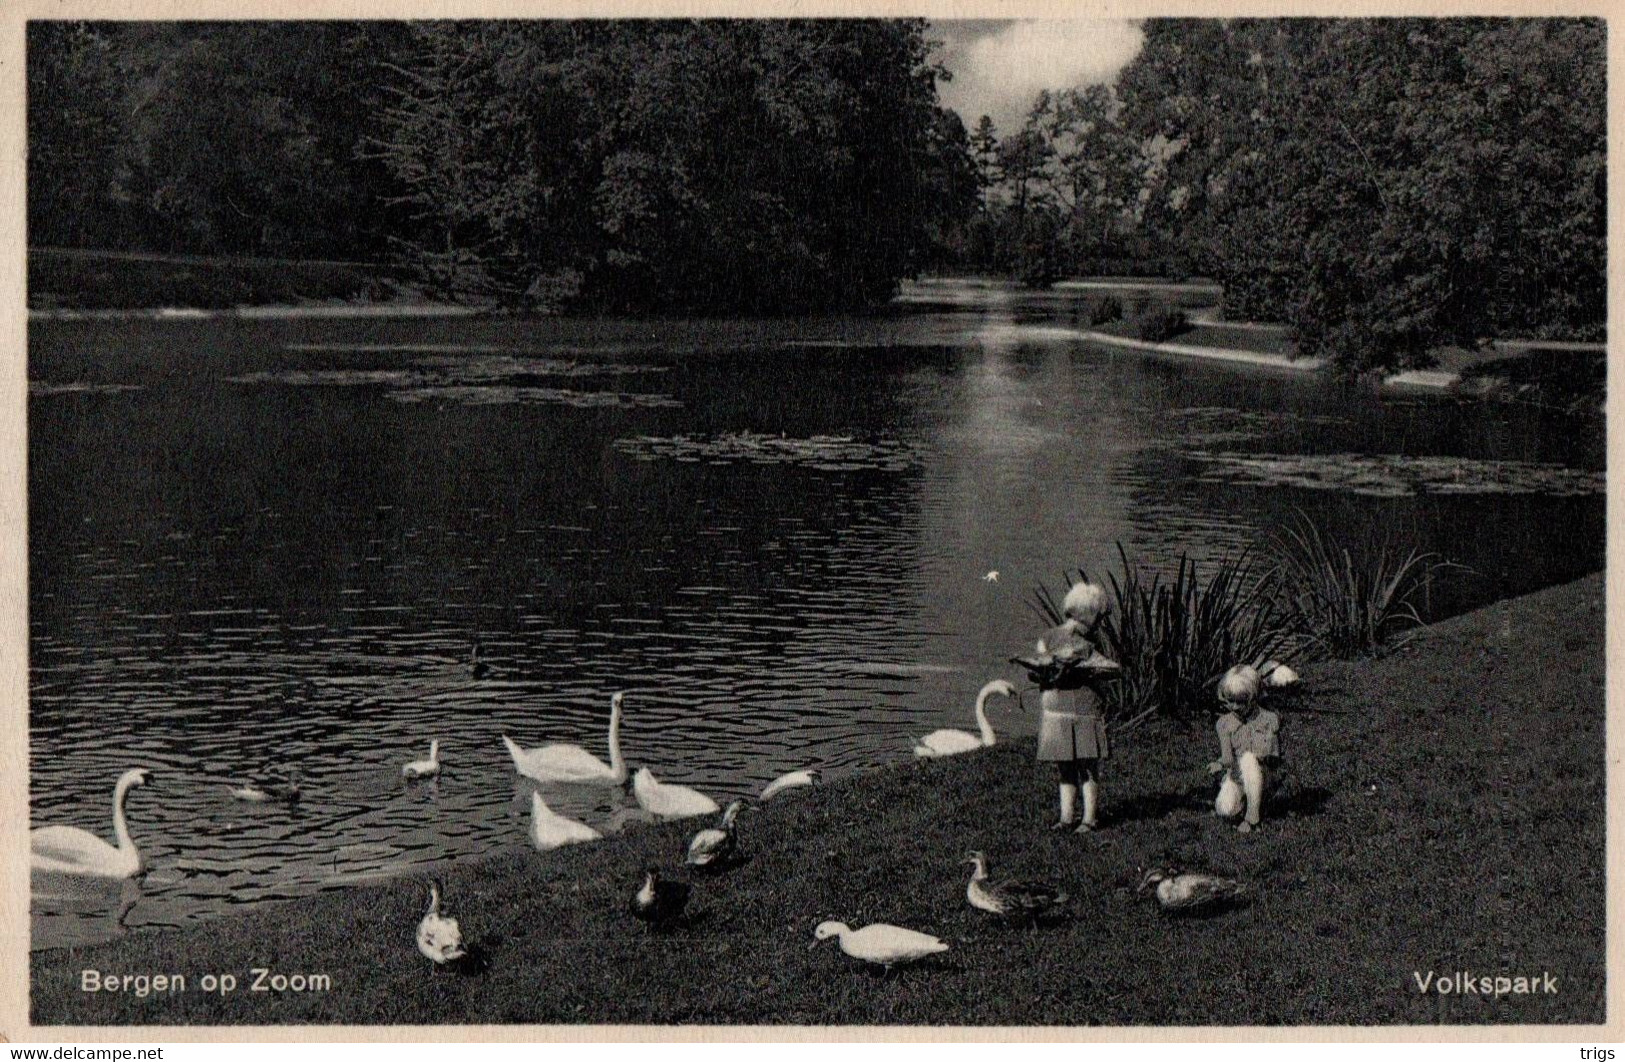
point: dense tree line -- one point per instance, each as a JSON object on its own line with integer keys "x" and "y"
{"x": 720, "y": 165}
{"x": 1384, "y": 185}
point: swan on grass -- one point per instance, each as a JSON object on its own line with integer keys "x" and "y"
{"x": 669, "y": 801}
{"x": 549, "y": 829}
{"x": 69, "y": 850}
{"x": 881, "y": 944}
{"x": 792, "y": 780}
{"x": 954, "y": 742}
{"x": 424, "y": 768}
{"x": 439, "y": 938}
{"x": 571, "y": 763}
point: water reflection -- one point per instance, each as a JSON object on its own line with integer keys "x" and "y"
{"x": 252, "y": 543}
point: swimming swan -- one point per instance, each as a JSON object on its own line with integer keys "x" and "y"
{"x": 790, "y": 781}
{"x": 670, "y": 801}
{"x": 549, "y": 829}
{"x": 571, "y": 763}
{"x": 953, "y": 742}
{"x": 880, "y": 943}
{"x": 68, "y": 850}
{"x": 424, "y": 768}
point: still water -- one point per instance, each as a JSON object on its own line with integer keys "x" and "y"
{"x": 258, "y": 542}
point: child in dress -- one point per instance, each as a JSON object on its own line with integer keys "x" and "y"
{"x": 1249, "y": 743}
{"x": 1072, "y": 732}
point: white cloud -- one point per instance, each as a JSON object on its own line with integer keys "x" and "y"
{"x": 999, "y": 73}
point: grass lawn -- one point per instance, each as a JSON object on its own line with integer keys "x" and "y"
{"x": 1442, "y": 810}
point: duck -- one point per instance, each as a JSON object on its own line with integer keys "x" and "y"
{"x": 439, "y": 938}
{"x": 477, "y": 667}
{"x": 717, "y": 847}
{"x": 669, "y": 801}
{"x": 571, "y": 763}
{"x": 1277, "y": 676}
{"x": 549, "y": 829}
{"x": 424, "y": 768}
{"x": 262, "y": 790}
{"x": 1191, "y": 893}
{"x": 790, "y": 780}
{"x": 657, "y": 902}
{"x": 953, "y": 742}
{"x": 1017, "y": 900}
{"x": 880, "y": 944}
{"x": 69, "y": 850}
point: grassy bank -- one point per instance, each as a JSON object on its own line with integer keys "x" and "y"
{"x": 1443, "y": 810}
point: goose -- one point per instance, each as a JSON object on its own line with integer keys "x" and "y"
{"x": 880, "y": 944}
{"x": 717, "y": 847}
{"x": 659, "y": 903}
{"x": 571, "y": 763}
{"x": 1188, "y": 893}
{"x": 549, "y": 829}
{"x": 669, "y": 801}
{"x": 954, "y": 742}
{"x": 69, "y": 850}
{"x": 439, "y": 938}
{"x": 1027, "y": 900}
{"x": 424, "y": 768}
{"x": 791, "y": 780}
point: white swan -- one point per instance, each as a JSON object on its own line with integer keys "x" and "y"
{"x": 881, "y": 944}
{"x": 68, "y": 850}
{"x": 549, "y": 829}
{"x": 424, "y": 768}
{"x": 439, "y": 938}
{"x": 953, "y": 742}
{"x": 670, "y": 801}
{"x": 571, "y": 763}
{"x": 790, "y": 781}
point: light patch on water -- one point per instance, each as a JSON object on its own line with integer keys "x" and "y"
{"x": 826, "y": 453}
{"x": 331, "y": 378}
{"x": 474, "y": 395}
{"x": 44, "y": 388}
{"x": 1399, "y": 475}
{"x": 478, "y": 381}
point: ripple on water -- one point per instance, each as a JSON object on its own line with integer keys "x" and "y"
{"x": 1399, "y": 475}
{"x": 825, "y": 453}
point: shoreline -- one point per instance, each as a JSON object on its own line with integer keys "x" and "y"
{"x": 1396, "y": 788}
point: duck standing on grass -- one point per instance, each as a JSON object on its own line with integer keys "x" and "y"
{"x": 1011, "y": 900}
{"x": 1249, "y": 740}
{"x": 717, "y": 848}
{"x": 880, "y": 944}
{"x": 439, "y": 938}
{"x": 659, "y": 903}
{"x": 1193, "y": 894}
{"x": 424, "y": 768}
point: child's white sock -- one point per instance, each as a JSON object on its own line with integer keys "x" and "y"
{"x": 1069, "y": 802}
{"x": 1091, "y": 800}
{"x": 1252, "y": 779}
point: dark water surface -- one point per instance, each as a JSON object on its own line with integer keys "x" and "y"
{"x": 275, "y": 541}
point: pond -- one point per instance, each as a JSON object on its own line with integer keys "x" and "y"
{"x": 265, "y": 542}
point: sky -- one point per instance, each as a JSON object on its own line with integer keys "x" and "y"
{"x": 999, "y": 66}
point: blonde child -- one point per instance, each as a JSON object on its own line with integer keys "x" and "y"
{"x": 1249, "y": 743}
{"x": 1072, "y": 732}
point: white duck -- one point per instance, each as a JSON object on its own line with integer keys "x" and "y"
{"x": 791, "y": 780}
{"x": 718, "y": 846}
{"x": 954, "y": 742}
{"x": 669, "y": 801}
{"x": 424, "y": 768}
{"x": 880, "y": 944}
{"x": 549, "y": 829}
{"x": 439, "y": 938}
{"x": 571, "y": 763}
{"x": 69, "y": 850}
